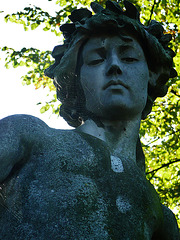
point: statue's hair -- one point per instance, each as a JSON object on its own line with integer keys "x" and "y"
{"x": 112, "y": 21}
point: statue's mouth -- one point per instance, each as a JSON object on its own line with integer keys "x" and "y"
{"x": 114, "y": 83}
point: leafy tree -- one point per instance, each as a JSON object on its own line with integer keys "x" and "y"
{"x": 160, "y": 132}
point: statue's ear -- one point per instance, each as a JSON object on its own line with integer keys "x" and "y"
{"x": 157, "y": 83}
{"x": 153, "y": 77}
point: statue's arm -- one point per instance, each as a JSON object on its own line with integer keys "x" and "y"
{"x": 170, "y": 228}
{"x": 17, "y": 134}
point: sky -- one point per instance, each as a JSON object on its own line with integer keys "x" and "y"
{"x": 14, "y": 97}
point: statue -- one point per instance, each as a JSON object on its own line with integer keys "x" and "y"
{"x": 89, "y": 183}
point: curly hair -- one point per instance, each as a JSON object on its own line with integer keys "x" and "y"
{"x": 113, "y": 21}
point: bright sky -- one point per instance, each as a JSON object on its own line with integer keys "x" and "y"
{"x": 15, "y": 98}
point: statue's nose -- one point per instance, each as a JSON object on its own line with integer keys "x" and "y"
{"x": 113, "y": 67}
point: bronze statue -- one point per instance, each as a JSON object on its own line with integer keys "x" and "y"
{"x": 89, "y": 183}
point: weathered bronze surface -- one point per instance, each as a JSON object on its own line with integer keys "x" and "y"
{"x": 89, "y": 183}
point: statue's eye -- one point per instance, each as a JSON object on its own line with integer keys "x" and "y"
{"x": 96, "y": 61}
{"x": 129, "y": 59}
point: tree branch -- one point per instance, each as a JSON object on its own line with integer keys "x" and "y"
{"x": 152, "y": 9}
{"x": 164, "y": 165}
{"x": 149, "y": 143}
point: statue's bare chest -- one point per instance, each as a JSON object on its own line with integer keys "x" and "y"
{"x": 74, "y": 190}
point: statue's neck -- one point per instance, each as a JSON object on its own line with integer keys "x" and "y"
{"x": 120, "y": 136}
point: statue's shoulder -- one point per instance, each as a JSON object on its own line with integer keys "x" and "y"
{"x": 17, "y": 133}
{"x": 31, "y": 129}
{"x": 24, "y": 126}
{"x": 20, "y": 122}
{"x": 23, "y": 136}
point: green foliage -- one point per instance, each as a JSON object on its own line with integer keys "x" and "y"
{"x": 162, "y": 149}
{"x": 32, "y": 17}
{"x": 160, "y": 132}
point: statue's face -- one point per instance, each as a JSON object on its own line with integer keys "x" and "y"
{"x": 114, "y": 77}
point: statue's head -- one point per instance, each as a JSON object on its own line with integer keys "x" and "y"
{"x": 107, "y": 28}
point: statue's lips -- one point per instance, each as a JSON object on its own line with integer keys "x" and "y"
{"x": 114, "y": 83}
